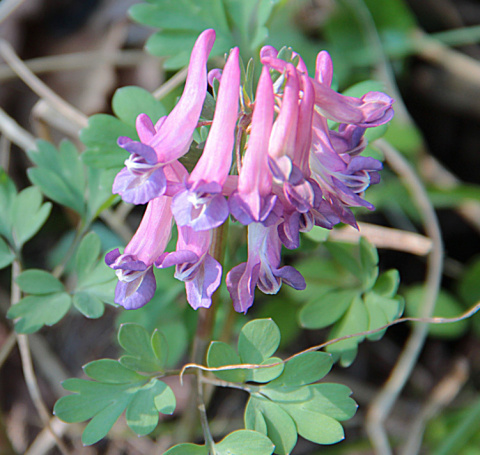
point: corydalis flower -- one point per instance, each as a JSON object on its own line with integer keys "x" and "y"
{"x": 194, "y": 265}
{"x": 136, "y": 284}
{"x": 201, "y": 204}
{"x": 261, "y": 269}
{"x": 143, "y": 177}
{"x": 335, "y": 163}
{"x": 372, "y": 109}
{"x": 253, "y": 200}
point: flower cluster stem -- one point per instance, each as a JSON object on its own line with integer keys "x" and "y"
{"x": 203, "y": 336}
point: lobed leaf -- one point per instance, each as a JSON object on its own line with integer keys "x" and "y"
{"x": 279, "y": 426}
{"x": 187, "y": 449}
{"x": 147, "y": 353}
{"x": 258, "y": 340}
{"x": 244, "y": 442}
{"x": 59, "y": 174}
{"x": 28, "y": 215}
{"x": 88, "y": 304}
{"x": 6, "y": 254}
{"x": 36, "y": 281}
{"x": 326, "y": 309}
{"x": 8, "y": 193}
{"x": 128, "y": 102}
{"x": 35, "y": 311}
{"x": 103, "y": 402}
{"x": 87, "y": 255}
{"x": 303, "y": 369}
{"x": 220, "y": 354}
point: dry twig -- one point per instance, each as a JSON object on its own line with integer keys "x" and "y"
{"x": 37, "y": 86}
{"x": 383, "y": 403}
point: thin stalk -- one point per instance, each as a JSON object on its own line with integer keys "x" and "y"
{"x": 205, "y": 325}
{"x": 60, "y": 268}
{"x": 27, "y": 366}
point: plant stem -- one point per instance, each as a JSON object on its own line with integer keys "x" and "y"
{"x": 27, "y": 366}
{"x": 203, "y": 336}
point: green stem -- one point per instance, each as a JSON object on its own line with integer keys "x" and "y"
{"x": 232, "y": 385}
{"x": 205, "y": 325}
{"x": 81, "y": 230}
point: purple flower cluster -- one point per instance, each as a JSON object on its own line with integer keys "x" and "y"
{"x": 295, "y": 173}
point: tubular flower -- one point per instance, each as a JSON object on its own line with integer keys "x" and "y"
{"x": 143, "y": 178}
{"x": 201, "y": 204}
{"x": 261, "y": 269}
{"x": 200, "y": 272}
{"x": 253, "y": 201}
{"x": 136, "y": 284}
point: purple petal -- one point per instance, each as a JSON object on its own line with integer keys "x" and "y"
{"x": 145, "y": 151}
{"x": 199, "y": 216}
{"x": 112, "y": 256}
{"x": 138, "y": 189}
{"x": 176, "y": 258}
{"x": 241, "y": 208}
{"x": 241, "y": 286}
{"x": 292, "y": 277}
{"x": 136, "y": 293}
{"x": 205, "y": 282}
{"x": 360, "y": 163}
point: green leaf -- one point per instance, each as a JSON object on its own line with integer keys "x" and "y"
{"x": 110, "y": 371}
{"x": 343, "y": 255}
{"x": 36, "y": 281}
{"x": 280, "y": 428}
{"x": 236, "y": 24}
{"x": 99, "y": 189}
{"x": 220, "y": 354}
{"x": 88, "y": 304}
{"x": 181, "y": 22}
{"x": 317, "y": 234}
{"x": 28, "y": 215}
{"x": 326, "y": 309}
{"x": 96, "y": 281}
{"x": 445, "y": 306}
{"x": 369, "y": 261}
{"x": 142, "y": 413}
{"x": 355, "y": 320}
{"x": 258, "y": 340}
{"x": 87, "y": 255}
{"x": 381, "y": 311}
{"x": 248, "y": 21}
{"x": 333, "y": 400}
{"x": 129, "y": 102}
{"x": 187, "y": 449}
{"x": 469, "y": 283}
{"x": 35, "y": 311}
{"x": 6, "y": 254}
{"x": 314, "y": 426}
{"x": 147, "y": 353}
{"x": 59, "y": 174}
{"x": 266, "y": 374}
{"x": 244, "y": 442}
{"x": 103, "y": 402}
{"x": 8, "y": 194}
{"x": 100, "y": 136}
{"x": 303, "y": 369}
{"x": 387, "y": 283}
